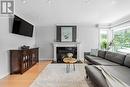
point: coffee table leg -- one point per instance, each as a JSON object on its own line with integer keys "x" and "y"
{"x": 74, "y": 67}
{"x": 67, "y": 68}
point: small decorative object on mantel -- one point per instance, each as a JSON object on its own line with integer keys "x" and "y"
{"x": 24, "y": 47}
{"x": 66, "y": 33}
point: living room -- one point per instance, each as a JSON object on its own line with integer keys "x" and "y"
{"x": 92, "y": 18}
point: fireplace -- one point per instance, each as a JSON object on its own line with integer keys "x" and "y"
{"x": 62, "y": 53}
{"x": 62, "y": 48}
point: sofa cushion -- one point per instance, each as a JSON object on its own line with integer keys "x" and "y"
{"x": 94, "y": 52}
{"x": 103, "y": 62}
{"x": 101, "y": 53}
{"x": 115, "y": 57}
{"x": 99, "y": 60}
{"x": 89, "y": 57}
{"x": 127, "y": 60}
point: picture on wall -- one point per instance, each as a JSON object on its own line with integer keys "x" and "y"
{"x": 66, "y": 34}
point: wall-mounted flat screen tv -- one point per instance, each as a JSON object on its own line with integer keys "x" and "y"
{"x": 22, "y": 27}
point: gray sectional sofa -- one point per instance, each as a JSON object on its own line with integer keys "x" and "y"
{"x": 115, "y": 63}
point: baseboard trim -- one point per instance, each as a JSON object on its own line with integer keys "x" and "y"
{"x": 3, "y": 76}
{"x": 46, "y": 59}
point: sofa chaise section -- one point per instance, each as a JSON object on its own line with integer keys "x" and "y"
{"x": 121, "y": 72}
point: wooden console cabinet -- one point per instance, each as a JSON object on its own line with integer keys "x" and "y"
{"x": 22, "y": 60}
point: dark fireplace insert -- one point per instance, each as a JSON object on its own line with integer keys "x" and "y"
{"x": 62, "y": 53}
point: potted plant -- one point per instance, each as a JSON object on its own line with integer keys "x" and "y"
{"x": 104, "y": 44}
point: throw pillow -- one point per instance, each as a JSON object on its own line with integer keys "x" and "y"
{"x": 94, "y": 52}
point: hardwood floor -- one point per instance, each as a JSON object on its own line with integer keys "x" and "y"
{"x": 26, "y": 78}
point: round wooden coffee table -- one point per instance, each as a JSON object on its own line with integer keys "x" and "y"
{"x": 69, "y": 61}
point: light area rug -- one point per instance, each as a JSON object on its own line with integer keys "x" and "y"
{"x": 55, "y": 75}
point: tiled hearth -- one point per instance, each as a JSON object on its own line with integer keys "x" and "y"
{"x": 75, "y": 45}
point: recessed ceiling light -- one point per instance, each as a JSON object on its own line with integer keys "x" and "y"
{"x": 86, "y": 1}
{"x": 113, "y": 2}
{"x": 49, "y": 1}
{"x": 24, "y": 1}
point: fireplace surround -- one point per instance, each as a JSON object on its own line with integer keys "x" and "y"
{"x": 62, "y": 48}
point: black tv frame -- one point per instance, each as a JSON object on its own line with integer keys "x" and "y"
{"x": 17, "y": 23}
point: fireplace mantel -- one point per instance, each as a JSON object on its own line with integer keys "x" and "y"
{"x": 66, "y": 44}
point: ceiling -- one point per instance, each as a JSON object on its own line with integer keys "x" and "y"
{"x": 45, "y": 13}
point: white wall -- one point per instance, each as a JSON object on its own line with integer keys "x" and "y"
{"x": 10, "y": 41}
{"x": 44, "y": 38}
{"x": 87, "y": 35}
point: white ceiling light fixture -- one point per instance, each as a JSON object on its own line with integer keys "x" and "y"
{"x": 49, "y": 1}
{"x": 113, "y": 2}
{"x": 86, "y": 1}
{"x": 24, "y": 1}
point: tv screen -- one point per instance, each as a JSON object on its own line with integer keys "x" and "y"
{"x": 22, "y": 27}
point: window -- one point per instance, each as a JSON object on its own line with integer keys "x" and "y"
{"x": 121, "y": 40}
{"x": 103, "y": 38}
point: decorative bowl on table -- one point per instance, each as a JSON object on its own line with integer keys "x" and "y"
{"x": 70, "y": 55}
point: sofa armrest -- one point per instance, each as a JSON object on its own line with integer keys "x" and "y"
{"x": 86, "y": 53}
{"x": 96, "y": 76}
